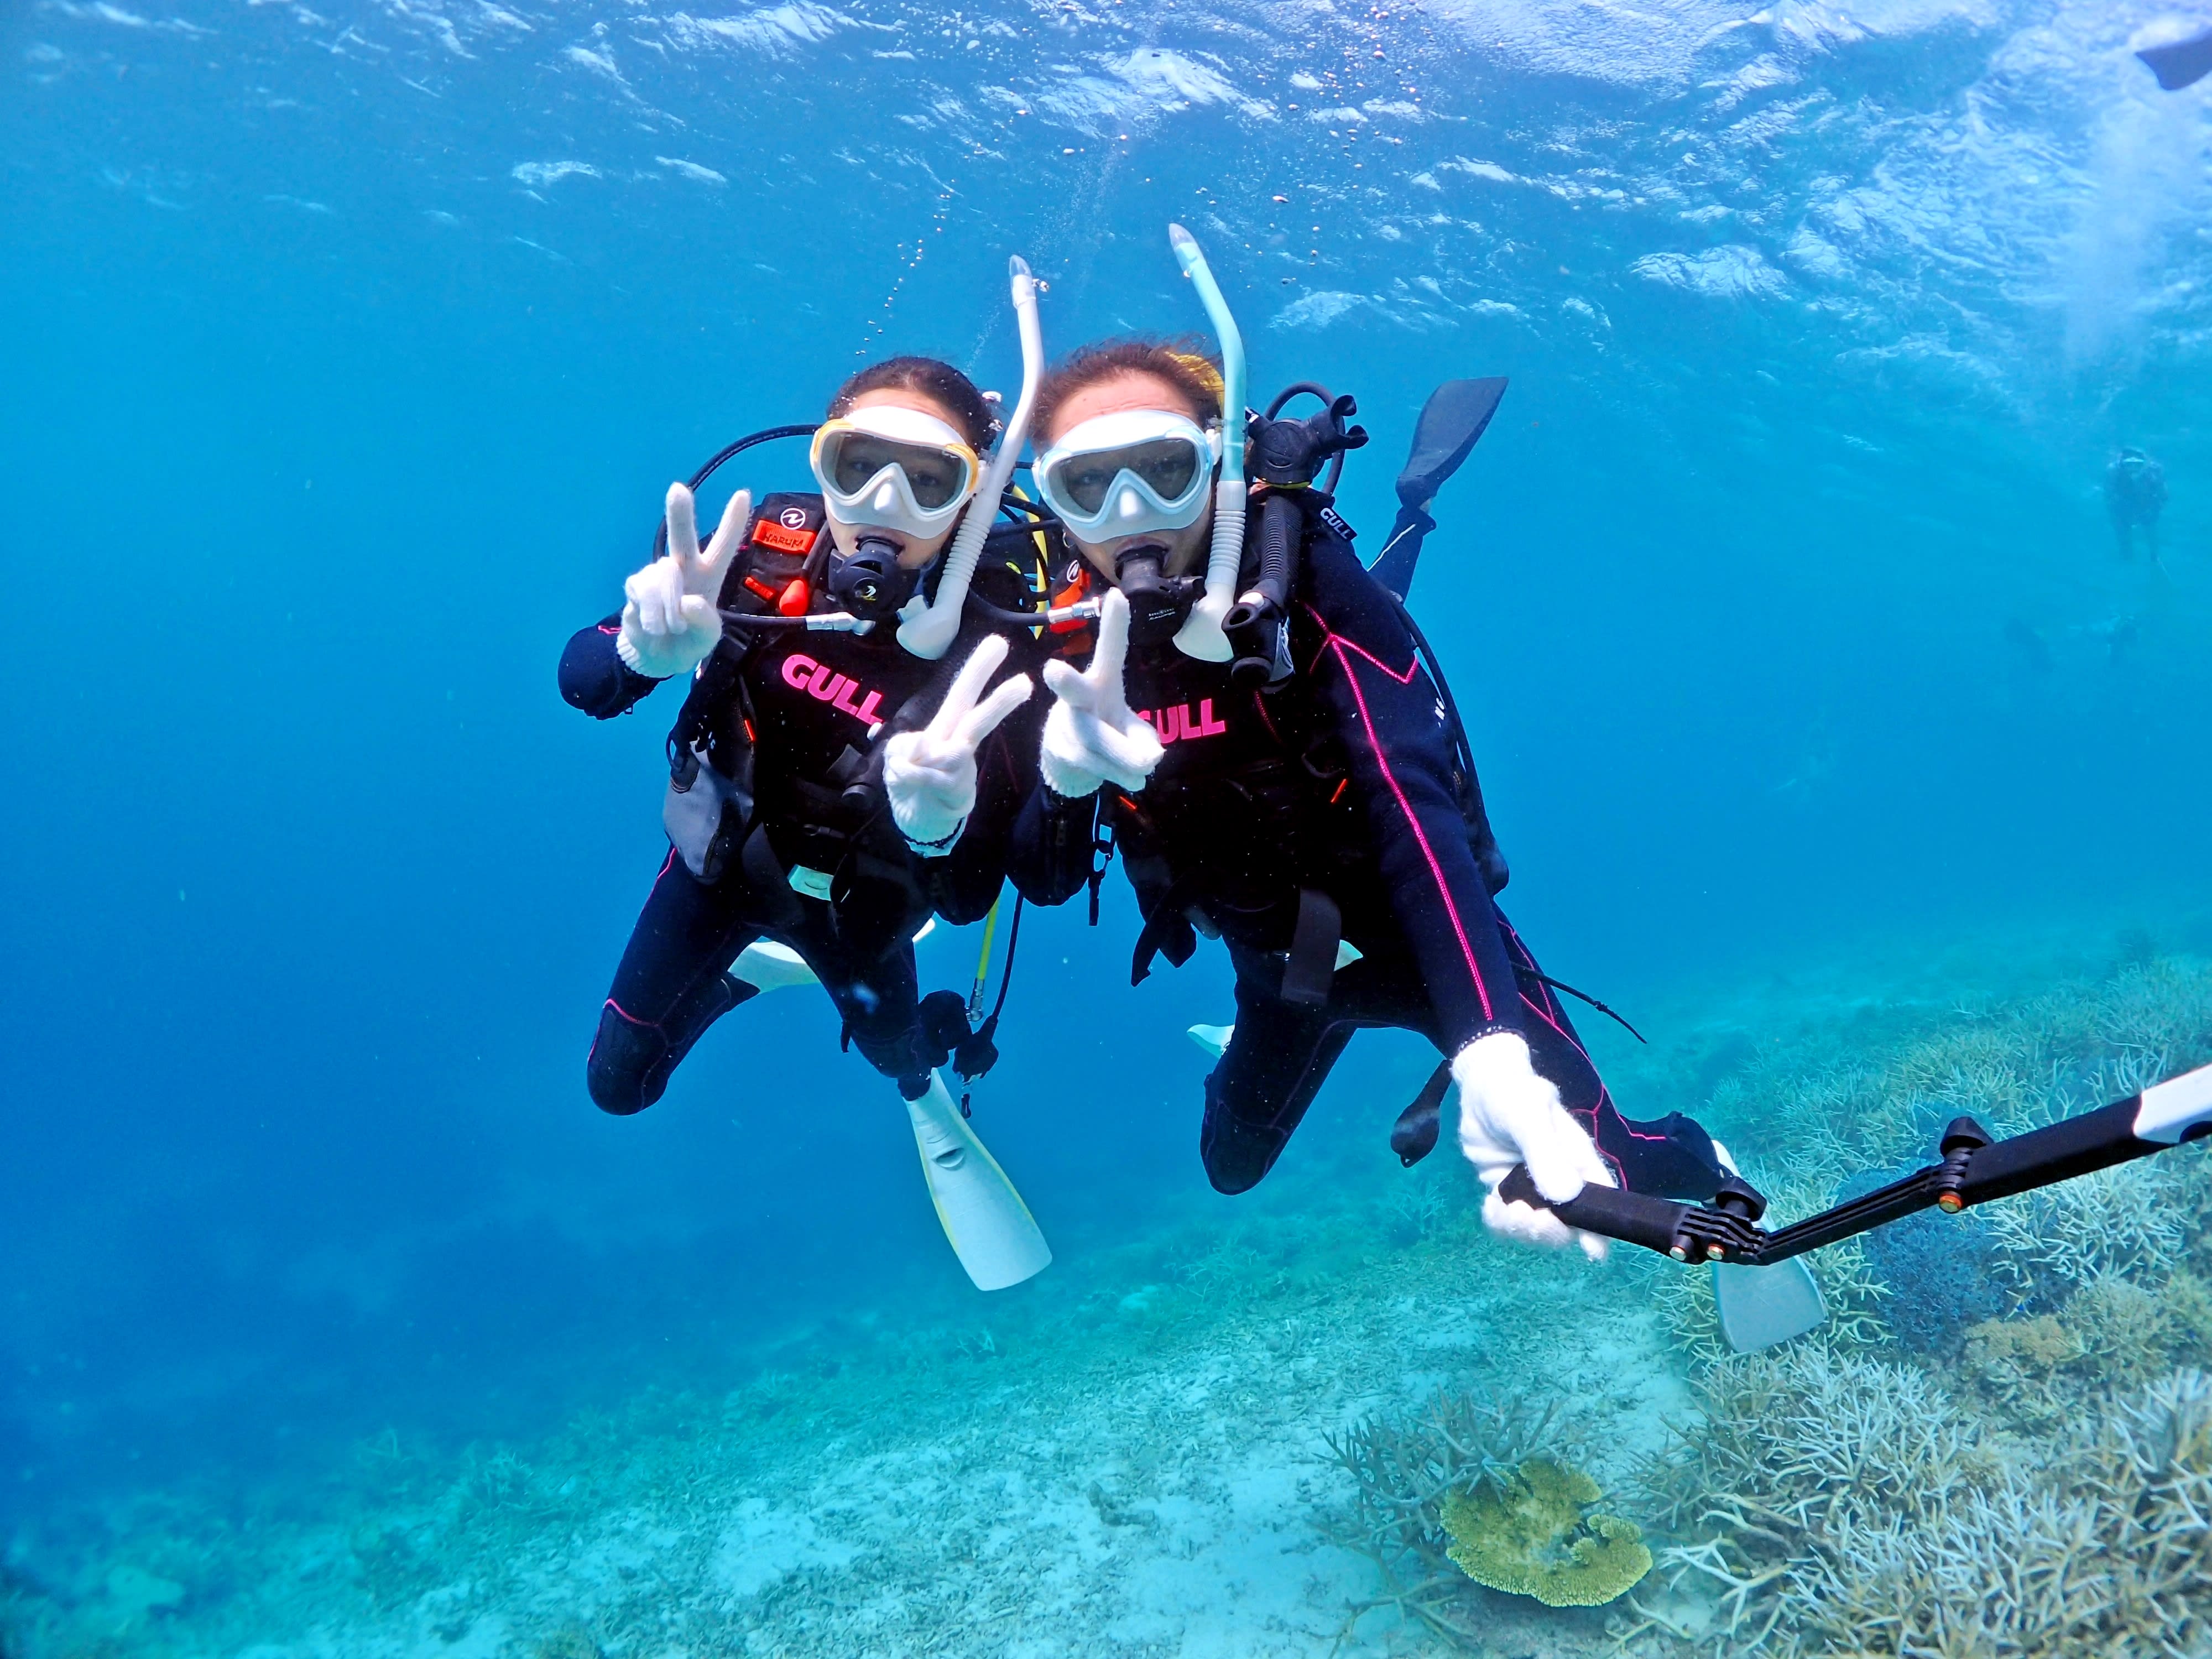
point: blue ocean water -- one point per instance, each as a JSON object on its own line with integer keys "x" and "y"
{"x": 348, "y": 351}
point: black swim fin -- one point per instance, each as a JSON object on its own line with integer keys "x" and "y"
{"x": 2180, "y": 63}
{"x": 1455, "y": 415}
{"x": 1413, "y": 1136}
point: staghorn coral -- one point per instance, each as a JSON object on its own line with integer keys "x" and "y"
{"x": 2106, "y": 1552}
{"x": 1797, "y": 1442}
{"x": 2124, "y": 1330}
{"x": 1527, "y": 1534}
{"x": 1895, "y": 1527}
{"x": 2015, "y": 1365}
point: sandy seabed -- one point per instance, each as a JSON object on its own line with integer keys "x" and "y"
{"x": 1138, "y": 1464}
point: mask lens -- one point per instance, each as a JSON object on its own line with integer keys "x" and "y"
{"x": 1084, "y": 480}
{"x": 1167, "y": 466}
{"x": 936, "y": 475}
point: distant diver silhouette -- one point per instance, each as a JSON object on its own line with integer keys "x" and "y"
{"x": 2180, "y": 63}
{"x": 2135, "y": 496}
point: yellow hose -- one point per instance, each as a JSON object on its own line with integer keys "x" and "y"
{"x": 983, "y": 965}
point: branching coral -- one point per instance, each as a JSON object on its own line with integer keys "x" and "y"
{"x": 1404, "y": 1470}
{"x": 2134, "y": 1222}
{"x": 1842, "y": 1506}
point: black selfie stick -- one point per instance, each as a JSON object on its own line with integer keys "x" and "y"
{"x": 1973, "y": 1170}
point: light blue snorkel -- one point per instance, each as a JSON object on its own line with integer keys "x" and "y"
{"x": 928, "y": 630}
{"x": 1201, "y": 635}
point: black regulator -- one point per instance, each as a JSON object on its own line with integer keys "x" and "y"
{"x": 1158, "y": 603}
{"x": 870, "y": 582}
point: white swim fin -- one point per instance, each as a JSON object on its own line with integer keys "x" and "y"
{"x": 768, "y": 966}
{"x": 1761, "y": 1306}
{"x": 990, "y": 1229}
{"x": 1215, "y": 1038}
{"x": 1212, "y": 1038}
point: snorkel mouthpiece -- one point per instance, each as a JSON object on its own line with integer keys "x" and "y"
{"x": 1158, "y": 604}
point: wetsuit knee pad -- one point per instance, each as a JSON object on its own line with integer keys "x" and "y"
{"x": 632, "y": 1059}
{"x": 629, "y": 1065}
{"x": 1237, "y": 1152}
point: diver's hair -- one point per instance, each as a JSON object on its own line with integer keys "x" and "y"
{"x": 1188, "y": 365}
{"x": 939, "y": 382}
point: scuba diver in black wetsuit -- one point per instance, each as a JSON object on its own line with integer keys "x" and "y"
{"x": 835, "y": 781}
{"x": 1290, "y": 779}
{"x": 2134, "y": 496}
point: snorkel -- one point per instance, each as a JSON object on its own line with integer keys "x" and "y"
{"x": 1201, "y": 635}
{"x": 928, "y": 630}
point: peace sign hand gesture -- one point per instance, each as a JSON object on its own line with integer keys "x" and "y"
{"x": 670, "y": 620}
{"x": 1090, "y": 737}
{"x": 929, "y": 776}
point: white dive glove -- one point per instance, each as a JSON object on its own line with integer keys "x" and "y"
{"x": 670, "y": 618}
{"x": 1508, "y": 1116}
{"x": 929, "y": 776}
{"x": 1090, "y": 737}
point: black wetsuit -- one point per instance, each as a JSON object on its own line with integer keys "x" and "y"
{"x": 2135, "y": 496}
{"x": 1341, "y": 787}
{"x": 800, "y": 718}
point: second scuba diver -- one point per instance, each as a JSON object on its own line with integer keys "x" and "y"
{"x": 839, "y": 772}
{"x": 1279, "y": 771}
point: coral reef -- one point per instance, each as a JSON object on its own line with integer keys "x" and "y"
{"x": 1529, "y": 1534}
{"x": 1411, "y": 1473}
{"x": 1936, "y": 1271}
{"x": 1996, "y": 1449}
{"x": 1845, "y": 1506}
{"x": 1996, "y": 1455}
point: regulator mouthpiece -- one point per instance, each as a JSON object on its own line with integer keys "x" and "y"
{"x": 870, "y": 582}
{"x": 1158, "y": 603}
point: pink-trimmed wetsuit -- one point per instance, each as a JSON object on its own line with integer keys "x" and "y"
{"x": 1343, "y": 781}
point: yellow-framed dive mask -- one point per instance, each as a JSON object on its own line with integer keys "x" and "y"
{"x": 895, "y": 469}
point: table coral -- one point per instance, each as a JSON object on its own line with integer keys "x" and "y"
{"x": 1527, "y": 1534}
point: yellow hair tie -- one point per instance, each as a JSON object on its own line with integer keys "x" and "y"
{"x": 1206, "y": 373}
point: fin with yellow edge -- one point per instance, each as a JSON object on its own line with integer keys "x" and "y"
{"x": 990, "y": 1229}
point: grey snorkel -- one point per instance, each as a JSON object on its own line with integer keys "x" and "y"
{"x": 928, "y": 630}
{"x": 1201, "y": 635}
